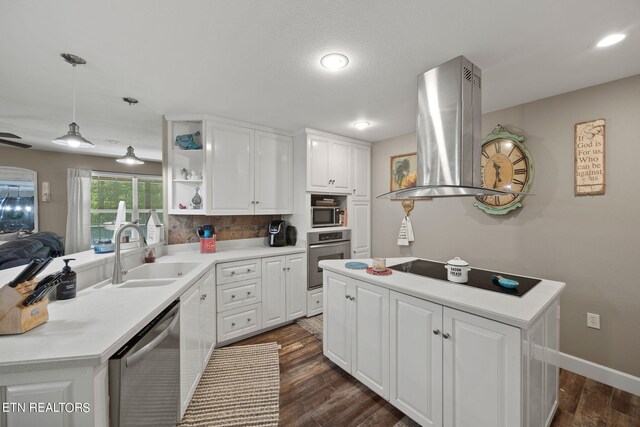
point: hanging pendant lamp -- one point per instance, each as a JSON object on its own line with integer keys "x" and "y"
{"x": 73, "y": 138}
{"x": 130, "y": 158}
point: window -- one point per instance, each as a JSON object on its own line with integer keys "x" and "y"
{"x": 141, "y": 193}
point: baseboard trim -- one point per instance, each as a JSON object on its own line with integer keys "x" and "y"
{"x": 600, "y": 373}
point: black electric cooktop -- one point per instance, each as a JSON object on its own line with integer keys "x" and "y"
{"x": 477, "y": 278}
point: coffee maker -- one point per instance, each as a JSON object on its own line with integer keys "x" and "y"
{"x": 277, "y": 232}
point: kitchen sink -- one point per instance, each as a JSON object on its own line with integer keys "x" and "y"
{"x": 161, "y": 270}
{"x": 146, "y": 283}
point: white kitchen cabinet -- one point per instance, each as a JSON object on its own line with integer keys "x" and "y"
{"x": 481, "y": 371}
{"x": 284, "y": 289}
{"x": 296, "y": 286}
{"x": 416, "y": 358}
{"x": 361, "y": 172}
{"x": 239, "y": 294}
{"x": 208, "y": 316}
{"x": 328, "y": 165}
{"x": 191, "y": 347}
{"x": 360, "y": 223}
{"x": 238, "y": 322}
{"x": 250, "y": 172}
{"x": 20, "y": 390}
{"x": 337, "y": 321}
{"x": 230, "y": 169}
{"x": 314, "y": 302}
{"x": 197, "y": 334}
{"x": 273, "y": 174}
{"x": 274, "y": 310}
{"x": 357, "y": 330}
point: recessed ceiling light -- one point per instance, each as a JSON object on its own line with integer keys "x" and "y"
{"x": 361, "y": 125}
{"x": 611, "y": 40}
{"x": 334, "y": 61}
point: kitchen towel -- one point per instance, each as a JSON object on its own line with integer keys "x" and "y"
{"x": 406, "y": 232}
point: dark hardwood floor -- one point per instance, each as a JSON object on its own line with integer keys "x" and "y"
{"x": 315, "y": 392}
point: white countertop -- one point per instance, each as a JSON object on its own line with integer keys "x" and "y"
{"x": 88, "y": 329}
{"x": 517, "y": 311}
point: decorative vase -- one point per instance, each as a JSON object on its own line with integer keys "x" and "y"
{"x": 197, "y": 200}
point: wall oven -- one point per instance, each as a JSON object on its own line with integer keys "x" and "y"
{"x": 325, "y": 245}
{"x": 324, "y": 216}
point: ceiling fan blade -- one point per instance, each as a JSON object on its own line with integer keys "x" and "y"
{"x": 14, "y": 144}
{"x": 9, "y": 135}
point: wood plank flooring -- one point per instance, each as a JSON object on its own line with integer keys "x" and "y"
{"x": 315, "y": 392}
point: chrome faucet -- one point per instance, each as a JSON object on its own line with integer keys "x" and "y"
{"x": 118, "y": 271}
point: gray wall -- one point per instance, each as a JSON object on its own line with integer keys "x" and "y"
{"x": 591, "y": 243}
{"x": 52, "y": 166}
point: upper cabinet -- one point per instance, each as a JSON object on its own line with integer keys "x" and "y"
{"x": 328, "y": 165}
{"x": 361, "y": 172}
{"x": 240, "y": 169}
{"x": 231, "y": 167}
{"x": 273, "y": 173}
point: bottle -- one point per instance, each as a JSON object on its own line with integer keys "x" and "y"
{"x": 67, "y": 287}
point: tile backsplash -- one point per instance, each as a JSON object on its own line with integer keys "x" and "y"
{"x": 182, "y": 228}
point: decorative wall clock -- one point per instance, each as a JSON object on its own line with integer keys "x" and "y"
{"x": 507, "y": 165}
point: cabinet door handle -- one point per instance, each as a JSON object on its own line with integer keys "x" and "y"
{"x": 249, "y": 270}
{"x": 248, "y": 292}
{"x": 329, "y": 181}
{"x": 249, "y": 319}
{"x": 233, "y": 324}
{"x": 233, "y": 272}
{"x": 284, "y": 268}
{"x": 233, "y": 296}
{"x": 436, "y": 332}
{"x": 354, "y": 252}
{"x": 317, "y": 301}
{"x": 253, "y": 202}
{"x": 204, "y": 297}
{"x": 288, "y": 268}
{"x": 257, "y": 201}
{"x": 445, "y": 335}
{"x": 354, "y": 191}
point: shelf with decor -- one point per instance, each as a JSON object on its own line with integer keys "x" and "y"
{"x": 186, "y": 167}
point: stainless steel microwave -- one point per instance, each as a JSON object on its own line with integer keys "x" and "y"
{"x": 323, "y": 216}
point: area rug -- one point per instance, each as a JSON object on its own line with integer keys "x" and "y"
{"x": 313, "y": 325}
{"x": 239, "y": 387}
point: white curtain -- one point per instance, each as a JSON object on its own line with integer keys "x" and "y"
{"x": 78, "y": 236}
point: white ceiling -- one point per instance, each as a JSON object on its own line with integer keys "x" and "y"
{"x": 258, "y": 60}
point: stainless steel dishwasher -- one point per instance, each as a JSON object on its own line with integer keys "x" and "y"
{"x": 144, "y": 375}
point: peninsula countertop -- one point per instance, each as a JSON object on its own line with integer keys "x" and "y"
{"x": 88, "y": 329}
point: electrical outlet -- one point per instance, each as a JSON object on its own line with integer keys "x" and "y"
{"x": 593, "y": 320}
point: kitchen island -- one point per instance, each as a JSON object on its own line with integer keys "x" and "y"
{"x": 445, "y": 354}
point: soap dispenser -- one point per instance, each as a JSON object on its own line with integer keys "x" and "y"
{"x": 67, "y": 287}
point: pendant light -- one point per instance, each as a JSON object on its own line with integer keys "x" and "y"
{"x": 73, "y": 138}
{"x": 130, "y": 158}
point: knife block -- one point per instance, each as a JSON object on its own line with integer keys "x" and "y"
{"x": 14, "y": 317}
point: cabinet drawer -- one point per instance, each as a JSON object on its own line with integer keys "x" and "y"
{"x": 238, "y": 322}
{"x": 239, "y": 270}
{"x": 238, "y": 294}
{"x": 314, "y": 303}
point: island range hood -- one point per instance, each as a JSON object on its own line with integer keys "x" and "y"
{"x": 448, "y": 128}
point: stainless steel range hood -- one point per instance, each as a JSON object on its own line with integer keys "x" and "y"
{"x": 449, "y": 127}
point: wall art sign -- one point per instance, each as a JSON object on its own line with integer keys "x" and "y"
{"x": 589, "y": 140}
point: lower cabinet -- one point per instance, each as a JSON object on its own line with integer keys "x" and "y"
{"x": 451, "y": 368}
{"x": 314, "y": 302}
{"x": 439, "y": 365}
{"x": 260, "y": 293}
{"x": 356, "y": 336}
{"x": 197, "y": 334}
{"x": 284, "y": 289}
